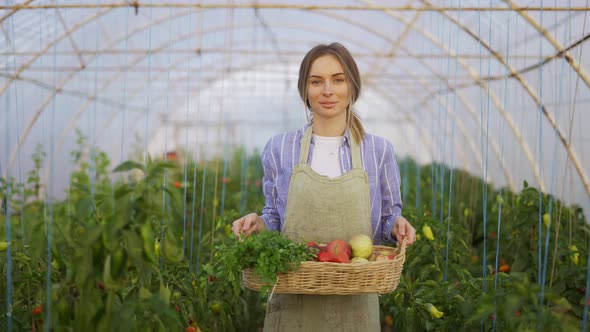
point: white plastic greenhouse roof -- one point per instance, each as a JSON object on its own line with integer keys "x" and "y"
{"x": 457, "y": 82}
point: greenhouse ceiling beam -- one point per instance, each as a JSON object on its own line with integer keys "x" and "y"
{"x": 471, "y": 110}
{"x": 528, "y": 88}
{"x": 27, "y": 64}
{"x": 72, "y": 41}
{"x": 560, "y": 50}
{"x": 108, "y": 46}
{"x": 293, "y": 53}
{"x": 373, "y": 31}
{"x": 73, "y": 93}
{"x": 166, "y": 5}
{"x": 378, "y": 68}
{"x": 581, "y": 73}
{"x": 462, "y": 98}
{"x": 206, "y": 82}
{"x": 65, "y": 80}
{"x": 560, "y": 54}
{"x": 492, "y": 96}
{"x": 14, "y": 10}
{"x": 426, "y": 35}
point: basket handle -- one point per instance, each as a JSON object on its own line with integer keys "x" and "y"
{"x": 402, "y": 247}
{"x": 273, "y": 289}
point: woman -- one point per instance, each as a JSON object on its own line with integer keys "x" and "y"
{"x": 329, "y": 180}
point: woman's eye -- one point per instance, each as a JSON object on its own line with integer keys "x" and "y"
{"x": 339, "y": 80}
{"x": 316, "y": 82}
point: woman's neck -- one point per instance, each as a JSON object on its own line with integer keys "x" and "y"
{"x": 329, "y": 128}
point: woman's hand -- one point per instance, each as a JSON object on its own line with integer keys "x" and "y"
{"x": 401, "y": 229}
{"x": 247, "y": 225}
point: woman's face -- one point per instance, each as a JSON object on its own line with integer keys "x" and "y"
{"x": 327, "y": 89}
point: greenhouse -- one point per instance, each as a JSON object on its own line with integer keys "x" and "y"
{"x": 138, "y": 137}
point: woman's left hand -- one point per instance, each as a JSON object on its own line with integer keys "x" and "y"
{"x": 401, "y": 229}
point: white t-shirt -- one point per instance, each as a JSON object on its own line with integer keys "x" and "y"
{"x": 325, "y": 159}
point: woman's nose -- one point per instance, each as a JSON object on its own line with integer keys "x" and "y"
{"x": 327, "y": 89}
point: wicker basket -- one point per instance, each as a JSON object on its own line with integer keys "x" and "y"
{"x": 373, "y": 277}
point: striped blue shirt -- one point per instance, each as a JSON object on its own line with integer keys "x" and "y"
{"x": 281, "y": 154}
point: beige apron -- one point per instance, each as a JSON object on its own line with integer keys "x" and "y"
{"x": 323, "y": 209}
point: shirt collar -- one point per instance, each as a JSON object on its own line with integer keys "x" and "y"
{"x": 346, "y": 134}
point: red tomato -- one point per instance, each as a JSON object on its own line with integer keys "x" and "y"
{"x": 38, "y": 310}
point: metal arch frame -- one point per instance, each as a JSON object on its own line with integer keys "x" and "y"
{"x": 411, "y": 25}
{"x": 116, "y": 75}
{"x": 524, "y": 83}
{"x": 55, "y": 41}
{"x": 576, "y": 67}
{"x": 479, "y": 81}
{"x": 407, "y": 116}
{"x": 462, "y": 98}
{"x": 50, "y": 45}
{"x": 560, "y": 50}
{"x": 14, "y": 10}
{"x": 423, "y": 134}
{"x": 334, "y": 16}
{"x": 136, "y": 4}
{"x": 57, "y": 88}
{"x": 61, "y": 83}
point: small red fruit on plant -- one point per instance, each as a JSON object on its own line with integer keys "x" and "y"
{"x": 388, "y": 320}
{"x": 492, "y": 317}
{"x": 517, "y": 314}
{"x": 190, "y": 329}
{"x": 38, "y": 310}
{"x": 177, "y": 308}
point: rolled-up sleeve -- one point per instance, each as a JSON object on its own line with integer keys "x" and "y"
{"x": 391, "y": 201}
{"x": 270, "y": 215}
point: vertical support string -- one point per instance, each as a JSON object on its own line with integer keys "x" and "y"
{"x": 204, "y": 184}
{"x": 185, "y": 166}
{"x": 433, "y": 172}
{"x": 484, "y": 165}
{"x": 47, "y": 310}
{"x": 94, "y": 106}
{"x": 244, "y": 178}
{"x": 587, "y": 293}
{"x": 198, "y": 103}
{"x": 166, "y": 115}
{"x": 5, "y": 203}
{"x": 501, "y": 201}
{"x": 227, "y": 61}
{"x": 448, "y": 244}
{"x": 124, "y": 98}
{"x": 16, "y": 104}
{"x": 444, "y": 134}
{"x": 540, "y": 224}
{"x": 149, "y": 82}
{"x": 553, "y": 171}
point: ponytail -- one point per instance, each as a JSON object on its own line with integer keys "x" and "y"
{"x": 356, "y": 127}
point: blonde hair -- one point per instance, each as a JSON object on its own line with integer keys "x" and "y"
{"x": 343, "y": 56}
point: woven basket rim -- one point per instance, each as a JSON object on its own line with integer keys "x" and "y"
{"x": 314, "y": 277}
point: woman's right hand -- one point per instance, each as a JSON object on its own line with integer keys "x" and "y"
{"x": 247, "y": 225}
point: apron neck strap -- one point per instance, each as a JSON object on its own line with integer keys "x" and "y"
{"x": 306, "y": 141}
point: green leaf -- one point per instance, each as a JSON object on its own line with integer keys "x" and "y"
{"x": 128, "y": 166}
